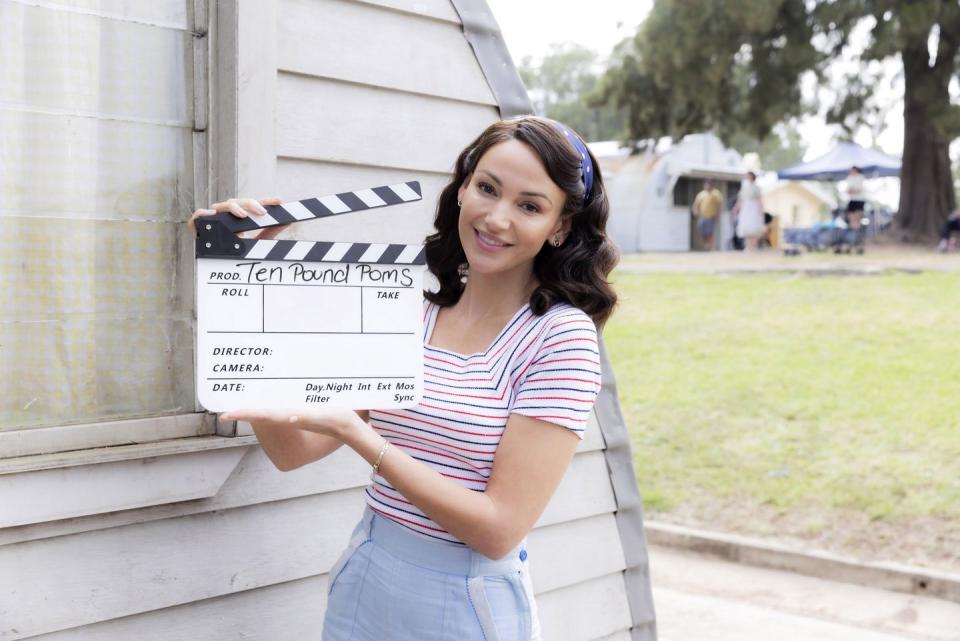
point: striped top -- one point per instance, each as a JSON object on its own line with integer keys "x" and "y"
{"x": 546, "y": 367}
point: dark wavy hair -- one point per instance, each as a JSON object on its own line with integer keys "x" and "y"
{"x": 574, "y": 273}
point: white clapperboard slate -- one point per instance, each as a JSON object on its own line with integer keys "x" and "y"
{"x": 297, "y": 324}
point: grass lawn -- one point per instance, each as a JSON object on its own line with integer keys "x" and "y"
{"x": 755, "y": 399}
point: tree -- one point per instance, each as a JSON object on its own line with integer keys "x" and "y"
{"x": 736, "y": 67}
{"x": 782, "y": 147}
{"x": 560, "y": 86}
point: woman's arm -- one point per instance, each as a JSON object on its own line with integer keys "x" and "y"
{"x": 531, "y": 459}
{"x": 289, "y": 447}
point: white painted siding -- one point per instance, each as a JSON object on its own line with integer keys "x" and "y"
{"x": 263, "y": 529}
{"x": 365, "y": 93}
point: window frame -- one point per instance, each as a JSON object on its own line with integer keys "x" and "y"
{"x": 213, "y": 26}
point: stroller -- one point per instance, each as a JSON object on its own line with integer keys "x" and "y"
{"x": 835, "y": 235}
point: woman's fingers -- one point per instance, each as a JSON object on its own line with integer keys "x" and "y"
{"x": 256, "y": 207}
{"x": 258, "y": 416}
{"x": 239, "y": 211}
{"x": 241, "y": 208}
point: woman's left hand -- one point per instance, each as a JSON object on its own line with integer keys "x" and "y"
{"x": 335, "y": 422}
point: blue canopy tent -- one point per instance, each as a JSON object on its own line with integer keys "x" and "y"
{"x": 836, "y": 164}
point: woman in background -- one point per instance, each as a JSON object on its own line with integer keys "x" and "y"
{"x": 749, "y": 211}
{"x": 855, "y": 197}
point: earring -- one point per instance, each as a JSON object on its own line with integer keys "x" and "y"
{"x": 459, "y": 203}
{"x": 557, "y": 241}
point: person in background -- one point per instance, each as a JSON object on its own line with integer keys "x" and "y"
{"x": 855, "y": 198}
{"x": 749, "y": 211}
{"x": 951, "y": 225}
{"x": 707, "y": 207}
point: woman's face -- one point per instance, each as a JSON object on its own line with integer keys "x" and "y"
{"x": 510, "y": 208}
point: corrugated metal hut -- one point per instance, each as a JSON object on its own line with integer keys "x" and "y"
{"x": 125, "y": 511}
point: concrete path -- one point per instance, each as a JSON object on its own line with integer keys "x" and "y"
{"x": 701, "y": 598}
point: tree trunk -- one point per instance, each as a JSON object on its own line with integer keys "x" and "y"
{"x": 926, "y": 182}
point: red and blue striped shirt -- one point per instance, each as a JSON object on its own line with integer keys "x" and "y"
{"x": 545, "y": 367}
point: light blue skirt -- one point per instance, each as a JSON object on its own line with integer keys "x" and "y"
{"x": 393, "y": 584}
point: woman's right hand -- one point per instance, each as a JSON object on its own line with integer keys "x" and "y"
{"x": 241, "y": 208}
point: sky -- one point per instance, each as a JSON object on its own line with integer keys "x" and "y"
{"x": 529, "y": 28}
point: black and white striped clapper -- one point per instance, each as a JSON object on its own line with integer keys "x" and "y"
{"x": 287, "y": 324}
{"x": 216, "y": 234}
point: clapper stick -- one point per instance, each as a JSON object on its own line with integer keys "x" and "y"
{"x": 216, "y": 235}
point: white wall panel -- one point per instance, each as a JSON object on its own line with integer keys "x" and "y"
{"x": 400, "y": 51}
{"x": 336, "y": 121}
{"x": 585, "y": 611}
{"x": 622, "y": 635}
{"x": 574, "y": 551}
{"x": 119, "y": 572}
{"x": 584, "y": 491}
{"x": 294, "y": 609}
{"x": 437, "y": 9}
{"x": 286, "y": 611}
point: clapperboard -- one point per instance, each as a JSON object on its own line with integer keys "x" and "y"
{"x": 300, "y": 324}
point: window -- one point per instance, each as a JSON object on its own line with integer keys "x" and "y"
{"x": 685, "y": 190}
{"x": 98, "y": 173}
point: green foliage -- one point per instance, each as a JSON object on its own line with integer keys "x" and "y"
{"x": 731, "y": 67}
{"x": 561, "y": 86}
{"x": 735, "y": 67}
{"x": 904, "y": 28}
{"x": 781, "y": 148}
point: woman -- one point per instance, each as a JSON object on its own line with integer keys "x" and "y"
{"x": 749, "y": 211}
{"x": 511, "y": 372}
{"x": 855, "y": 197}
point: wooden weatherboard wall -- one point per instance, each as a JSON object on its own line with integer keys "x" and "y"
{"x": 310, "y": 97}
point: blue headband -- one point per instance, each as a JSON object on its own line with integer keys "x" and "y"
{"x": 586, "y": 165}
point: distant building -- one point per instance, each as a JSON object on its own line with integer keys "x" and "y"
{"x": 798, "y": 204}
{"x": 651, "y": 193}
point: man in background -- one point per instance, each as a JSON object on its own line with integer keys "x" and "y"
{"x": 707, "y": 207}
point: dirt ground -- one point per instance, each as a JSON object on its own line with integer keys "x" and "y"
{"x": 876, "y": 259}
{"x": 929, "y": 541}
